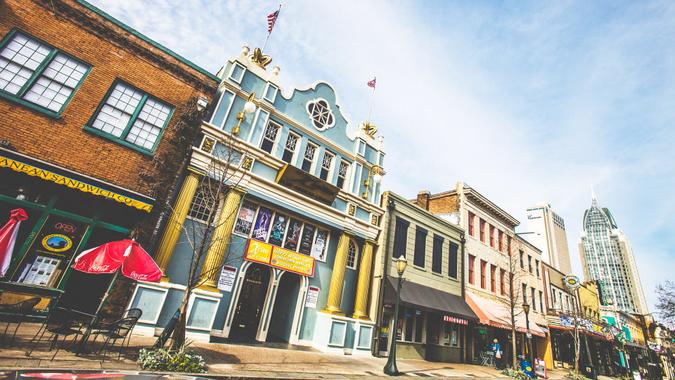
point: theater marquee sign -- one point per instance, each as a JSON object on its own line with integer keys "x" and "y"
{"x": 277, "y": 257}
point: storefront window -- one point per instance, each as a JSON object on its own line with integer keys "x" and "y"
{"x": 244, "y": 223}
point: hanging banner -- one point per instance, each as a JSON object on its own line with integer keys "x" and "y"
{"x": 226, "y": 280}
{"x": 312, "y": 297}
{"x": 277, "y": 257}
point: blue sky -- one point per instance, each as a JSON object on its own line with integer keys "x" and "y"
{"x": 525, "y": 101}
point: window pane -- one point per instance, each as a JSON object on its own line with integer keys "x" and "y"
{"x": 420, "y": 245}
{"x": 319, "y": 248}
{"x": 452, "y": 260}
{"x": 278, "y": 229}
{"x": 117, "y": 110}
{"x": 293, "y": 235}
{"x": 149, "y": 124}
{"x": 437, "y": 257}
{"x": 18, "y": 61}
{"x": 244, "y": 223}
{"x": 203, "y": 203}
{"x": 56, "y": 83}
{"x": 262, "y": 224}
{"x": 306, "y": 239}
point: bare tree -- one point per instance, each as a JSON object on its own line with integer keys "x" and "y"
{"x": 513, "y": 296}
{"x": 223, "y": 174}
{"x": 665, "y": 303}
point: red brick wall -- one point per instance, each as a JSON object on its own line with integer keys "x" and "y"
{"x": 444, "y": 204}
{"x": 63, "y": 142}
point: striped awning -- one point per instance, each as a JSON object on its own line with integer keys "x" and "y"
{"x": 495, "y": 314}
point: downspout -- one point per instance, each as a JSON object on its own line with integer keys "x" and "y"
{"x": 380, "y": 299}
{"x": 466, "y": 334}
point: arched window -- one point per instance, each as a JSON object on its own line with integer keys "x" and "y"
{"x": 352, "y": 254}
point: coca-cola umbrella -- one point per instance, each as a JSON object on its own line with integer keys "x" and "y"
{"x": 8, "y": 234}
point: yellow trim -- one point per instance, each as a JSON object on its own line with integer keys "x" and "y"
{"x": 281, "y": 173}
{"x": 59, "y": 179}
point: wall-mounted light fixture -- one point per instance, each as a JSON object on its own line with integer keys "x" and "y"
{"x": 202, "y": 102}
{"x": 249, "y": 107}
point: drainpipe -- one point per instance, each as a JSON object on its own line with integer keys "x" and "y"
{"x": 391, "y": 206}
{"x": 466, "y": 334}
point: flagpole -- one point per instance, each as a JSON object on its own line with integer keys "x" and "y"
{"x": 270, "y": 32}
{"x": 370, "y": 105}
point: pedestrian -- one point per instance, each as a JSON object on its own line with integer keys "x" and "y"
{"x": 497, "y": 349}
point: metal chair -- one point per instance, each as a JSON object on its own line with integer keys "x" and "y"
{"x": 120, "y": 330}
{"x": 59, "y": 323}
{"x": 16, "y": 313}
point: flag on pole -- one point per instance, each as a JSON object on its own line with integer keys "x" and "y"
{"x": 372, "y": 83}
{"x": 271, "y": 19}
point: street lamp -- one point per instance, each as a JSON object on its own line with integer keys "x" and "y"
{"x": 526, "y": 309}
{"x": 390, "y": 368}
{"x": 249, "y": 107}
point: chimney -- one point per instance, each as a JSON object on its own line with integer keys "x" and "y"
{"x": 423, "y": 199}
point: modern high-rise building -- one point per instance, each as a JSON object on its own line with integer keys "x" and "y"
{"x": 607, "y": 256}
{"x": 549, "y": 235}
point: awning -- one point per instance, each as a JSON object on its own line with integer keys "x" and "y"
{"x": 431, "y": 299}
{"x": 495, "y": 314}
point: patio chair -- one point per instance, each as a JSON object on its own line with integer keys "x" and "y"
{"x": 117, "y": 331}
{"x": 15, "y": 314}
{"x": 59, "y": 323}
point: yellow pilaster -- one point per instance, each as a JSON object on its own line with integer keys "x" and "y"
{"x": 338, "y": 276}
{"x": 547, "y": 349}
{"x": 221, "y": 237}
{"x": 363, "y": 283}
{"x": 176, "y": 219}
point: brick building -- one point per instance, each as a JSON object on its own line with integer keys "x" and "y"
{"x": 96, "y": 121}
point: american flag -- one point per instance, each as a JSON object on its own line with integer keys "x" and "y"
{"x": 372, "y": 83}
{"x": 271, "y": 19}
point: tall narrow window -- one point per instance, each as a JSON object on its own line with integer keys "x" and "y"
{"x": 452, "y": 260}
{"x": 352, "y": 255}
{"x": 534, "y": 299}
{"x": 529, "y": 263}
{"x": 524, "y": 293}
{"x": 342, "y": 174}
{"x": 482, "y": 230}
{"x": 483, "y": 274}
{"x": 326, "y": 165}
{"x": 437, "y": 254}
{"x": 541, "y": 301}
{"x": 472, "y": 222}
{"x": 33, "y": 72}
{"x": 508, "y": 245}
{"x": 290, "y": 147}
{"x": 400, "y": 237}
{"x": 536, "y": 266}
{"x": 493, "y": 278}
{"x": 203, "y": 204}
{"x": 308, "y": 158}
{"x": 492, "y": 236}
{"x": 471, "y": 263}
{"x": 500, "y": 241}
{"x": 270, "y": 136}
{"x": 502, "y": 281}
{"x": 420, "y": 246}
{"x": 131, "y": 117}
{"x": 522, "y": 259}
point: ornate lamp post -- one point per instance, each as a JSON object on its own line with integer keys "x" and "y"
{"x": 526, "y": 309}
{"x": 390, "y": 368}
{"x": 249, "y": 107}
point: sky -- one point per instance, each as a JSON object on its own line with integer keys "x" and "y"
{"x": 526, "y": 101}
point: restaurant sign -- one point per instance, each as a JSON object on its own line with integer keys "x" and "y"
{"x": 459, "y": 321}
{"x": 277, "y": 257}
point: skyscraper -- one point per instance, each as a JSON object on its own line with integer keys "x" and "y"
{"x": 607, "y": 256}
{"x": 549, "y": 235}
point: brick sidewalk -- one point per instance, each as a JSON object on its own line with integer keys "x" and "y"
{"x": 244, "y": 361}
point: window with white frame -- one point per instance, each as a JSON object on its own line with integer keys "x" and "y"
{"x": 352, "y": 255}
{"x": 308, "y": 158}
{"x": 270, "y": 136}
{"x": 361, "y": 148}
{"x": 356, "y": 178}
{"x": 320, "y": 113}
{"x": 37, "y": 73}
{"x": 290, "y": 147}
{"x": 342, "y": 174}
{"x": 132, "y": 117}
{"x": 203, "y": 202}
{"x": 326, "y": 165}
{"x": 237, "y": 72}
{"x": 270, "y": 92}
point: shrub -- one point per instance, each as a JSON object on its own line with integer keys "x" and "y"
{"x": 575, "y": 376}
{"x": 161, "y": 359}
{"x": 516, "y": 374}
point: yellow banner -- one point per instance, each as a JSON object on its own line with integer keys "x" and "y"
{"x": 279, "y": 258}
{"x": 258, "y": 251}
{"x": 72, "y": 183}
{"x": 292, "y": 261}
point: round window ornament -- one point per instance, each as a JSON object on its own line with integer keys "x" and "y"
{"x": 571, "y": 282}
{"x": 56, "y": 243}
{"x": 320, "y": 114}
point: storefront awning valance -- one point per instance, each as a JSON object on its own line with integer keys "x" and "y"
{"x": 60, "y": 176}
{"x": 495, "y": 314}
{"x": 428, "y": 298}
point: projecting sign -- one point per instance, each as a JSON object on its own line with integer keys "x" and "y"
{"x": 226, "y": 280}
{"x": 312, "y": 297}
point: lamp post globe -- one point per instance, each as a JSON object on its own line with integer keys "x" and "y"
{"x": 390, "y": 368}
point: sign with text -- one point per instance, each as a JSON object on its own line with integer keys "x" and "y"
{"x": 459, "y": 321}
{"x": 277, "y": 257}
{"x": 226, "y": 280}
{"x": 312, "y": 297}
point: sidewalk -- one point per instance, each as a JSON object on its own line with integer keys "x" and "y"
{"x": 245, "y": 361}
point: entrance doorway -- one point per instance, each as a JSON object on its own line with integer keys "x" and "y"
{"x": 251, "y": 299}
{"x": 283, "y": 313}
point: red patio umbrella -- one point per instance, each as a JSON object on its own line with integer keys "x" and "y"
{"x": 8, "y": 234}
{"x": 136, "y": 263}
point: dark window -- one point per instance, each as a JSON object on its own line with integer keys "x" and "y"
{"x": 482, "y": 230}
{"x": 472, "y": 276}
{"x": 269, "y": 137}
{"x": 522, "y": 264}
{"x": 420, "y": 245}
{"x": 483, "y": 275}
{"x": 400, "y": 237}
{"x": 342, "y": 173}
{"x": 437, "y": 258}
{"x": 492, "y": 236}
{"x": 529, "y": 263}
{"x": 502, "y": 282}
{"x": 524, "y": 293}
{"x": 452, "y": 260}
{"x": 534, "y": 299}
{"x": 493, "y": 278}
{"x": 290, "y": 147}
{"x": 472, "y": 218}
